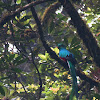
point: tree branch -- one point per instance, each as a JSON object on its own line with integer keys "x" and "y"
{"x": 48, "y": 49}
{"x": 86, "y": 78}
{"x": 11, "y": 15}
{"x": 48, "y": 11}
{"x": 83, "y": 31}
{"x": 53, "y": 54}
{"x": 40, "y": 80}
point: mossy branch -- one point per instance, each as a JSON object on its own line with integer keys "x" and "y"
{"x": 52, "y": 53}
{"x": 83, "y": 31}
{"x": 49, "y": 11}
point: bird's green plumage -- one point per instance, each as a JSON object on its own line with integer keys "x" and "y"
{"x": 74, "y": 86}
{"x": 64, "y": 54}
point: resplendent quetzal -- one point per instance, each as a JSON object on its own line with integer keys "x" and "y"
{"x": 68, "y": 57}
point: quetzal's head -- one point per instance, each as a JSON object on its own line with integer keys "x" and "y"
{"x": 61, "y": 46}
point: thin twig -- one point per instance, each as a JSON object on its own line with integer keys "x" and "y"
{"x": 15, "y": 80}
{"x": 40, "y": 80}
{"x": 22, "y": 86}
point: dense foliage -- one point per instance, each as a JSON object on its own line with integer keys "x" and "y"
{"x": 29, "y": 69}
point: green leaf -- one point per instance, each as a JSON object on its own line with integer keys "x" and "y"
{"x": 2, "y": 90}
{"x": 46, "y": 54}
{"x": 42, "y": 68}
{"x": 63, "y": 18}
{"x": 11, "y": 57}
{"x": 51, "y": 27}
{"x": 90, "y": 18}
{"x": 75, "y": 41}
{"x": 25, "y": 18}
{"x": 56, "y": 50}
{"x": 17, "y": 59}
{"x": 4, "y": 78}
{"x": 18, "y": 1}
{"x": 11, "y": 92}
{"x": 42, "y": 56}
{"x": 21, "y": 61}
{"x": 59, "y": 15}
{"x": 32, "y": 40}
{"x": 17, "y": 70}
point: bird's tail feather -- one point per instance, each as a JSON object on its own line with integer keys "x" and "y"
{"x": 74, "y": 86}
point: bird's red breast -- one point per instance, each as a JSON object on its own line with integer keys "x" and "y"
{"x": 64, "y": 59}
